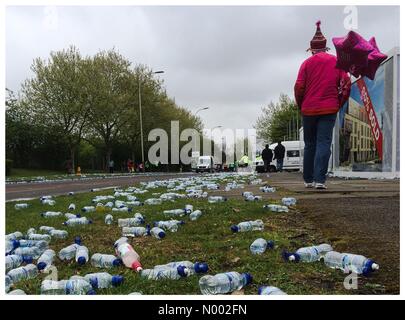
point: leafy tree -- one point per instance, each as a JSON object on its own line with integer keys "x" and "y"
{"x": 278, "y": 121}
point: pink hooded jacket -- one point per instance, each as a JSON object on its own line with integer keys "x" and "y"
{"x": 321, "y": 88}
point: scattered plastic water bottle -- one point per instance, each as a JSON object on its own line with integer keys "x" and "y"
{"x": 108, "y": 219}
{"x": 122, "y": 209}
{"x": 253, "y": 198}
{"x": 72, "y": 207}
{"x": 20, "y": 206}
{"x": 198, "y": 267}
{"x": 51, "y": 214}
{"x": 247, "y": 194}
{"x": 275, "y": 208}
{"x": 8, "y": 283}
{"x": 72, "y": 216}
{"x": 77, "y": 221}
{"x": 135, "y": 294}
{"x": 195, "y": 215}
{"x": 157, "y": 232}
{"x": 38, "y": 236}
{"x": 109, "y": 204}
{"x": 128, "y": 255}
{"x": 153, "y": 201}
{"x": 245, "y": 226}
{"x": 58, "y": 234}
{"x": 33, "y": 252}
{"x": 82, "y": 255}
{"x": 103, "y": 280}
{"x": 69, "y": 252}
{"x": 188, "y": 208}
{"x": 105, "y": 260}
{"x": 46, "y": 229}
{"x": 348, "y": 262}
{"x": 88, "y": 209}
{"x": 134, "y": 232}
{"x": 269, "y": 290}
{"x": 18, "y": 292}
{"x": 66, "y": 287}
{"x": 169, "y": 225}
{"x": 46, "y": 259}
{"x": 29, "y": 271}
{"x": 71, "y": 193}
{"x": 175, "y": 212}
{"x": 42, "y": 198}
{"x": 14, "y": 236}
{"x": 14, "y": 261}
{"x": 289, "y": 201}
{"x": 216, "y": 199}
{"x": 267, "y": 189}
{"x": 129, "y": 222}
{"x": 166, "y": 273}
{"x": 224, "y": 282}
{"x": 40, "y": 244}
{"x": 48, "y": 202}
{"x": 308, "y": 254}
{"x": 260, "y": 245}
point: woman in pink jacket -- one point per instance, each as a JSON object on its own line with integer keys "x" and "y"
{"x": 320, "y": 90}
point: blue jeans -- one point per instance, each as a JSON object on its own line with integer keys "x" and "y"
{"x": 280, "y": 163}
{"x": 318, "y": 139}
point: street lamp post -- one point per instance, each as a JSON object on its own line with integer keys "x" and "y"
{"x": 140, "y": 118}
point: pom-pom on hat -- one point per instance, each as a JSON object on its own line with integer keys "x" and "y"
{"x": 318, "y": 42}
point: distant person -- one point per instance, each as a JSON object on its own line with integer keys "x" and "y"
{"x": 279, "y": 153}
{"x": 320, "y": 90}
{"x": 267, "y": 156}
{"x": 111, "y": 166}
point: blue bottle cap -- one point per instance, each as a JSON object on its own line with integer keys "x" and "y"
{"x": 64, "y": 223}
{"x": 90, "y": 221}
{"x": 81, "y": 261}
{"x": 182, "y": 271}
{"x": 117, "y": 280}
{"x": 27, "y": 259}
{"x": 142, "y": 203}
{"x": 200, "y": 267}
{"x": 83, "y": 209}
{"x": 41, "y": 266}
{"x": 129, "y": 209}
{"x": 261, "y": 289}
{"x": 42, "y": 214}
{"x": 161, "y": 234}
{"x": 234, "y": 228}
{"x": 121, "y": 206}
{"x": 78, "y": 216}
{"x": 248, "y": 278}
{"x": 91, "y": 292}
{"x": 155, "y": 223}
{"x": 182, "y": 222}
{"x": 142, "y": 220}
{"x": 367, "y": 269}
{"x": 117, "y": 262}
{"x": 289, "y": 256}
{"x": 225, "y": 199}
{"x": 148, "y": 229}
{"x": 270, "y": 244}
{"x": 15, "y": 243}
{"x": 78, "y": 240}
{"x": 94, "y": 282}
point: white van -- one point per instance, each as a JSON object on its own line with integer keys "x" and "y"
{"x": 293, "y": 157}
{"x": 205, "y": 164}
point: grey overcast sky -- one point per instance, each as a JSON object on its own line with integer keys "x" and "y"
{"x": 234, "y": 60}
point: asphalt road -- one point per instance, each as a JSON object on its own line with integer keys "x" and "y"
{"x": 37, "y": 189}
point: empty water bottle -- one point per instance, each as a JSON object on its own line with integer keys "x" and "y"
{"x": 105, "y": 260}
{"x": 188, "y": 208}
{"x": 46, "y": 229}
{"x": 42, "y": 198}
{"x": 72, "y": 216}
{"x": 348, "y": 262}
{"x": 134, "y": 232}
{"x": 198, "y": 267}
{"x": 19, "y": 206}
{"x": 153, "y": 201}
{"x": 82, "y": 255}
{"x": 77, "y": 221}
{"x": 30, "y": 230}
{"x": 165, "y": 273}
{"x": 216, "y": 199}
{"x": 29, "y": 271}
{"x": 275, "y": 208}
{"x": 48, "y": 202}
{"x": 40, "y": 244}
{"x": 38, "y": 236}
{"x": 224, "y": 282}
{"x": 245, "y": 226}
{"x": 157, "y": 232}
{"x": 169, "y": 225}
{"x": 72, "y": 207}
{"x": 18, "y": 292}
{"x": 289, "y": 201}
{"x": 269, "y": 290}
{"x": 8, "y": 283}
{"x": 195, "y": 215}
{"x": 103, "y": 280}
{"x": 14, "y": 261}
{"x": 69, "y": 287}
{"x": 267, "y": 189}
{"x": 33, "y": 252}
{"x": 253, "y": 198}
{"x": 260, "y": 245}
{"x": 108, "y": 219}
{"x": 88, "y": 209}
{"x": 51, "y": 214}
{"x": 128, "y": 255}
{"x": 14, "y": 236}
{"x": 175, "y": 212}
{"x": 58, "y": 234}
{"x": 46, "y": 259}
{"x": 69, "y": 252}
{"x": 308, "y": 254}
{"x": 122, "y": 209}
{"x": 246, "y": 194}
{"x": 129, "y": 222}
{"x": 71, "y": 193}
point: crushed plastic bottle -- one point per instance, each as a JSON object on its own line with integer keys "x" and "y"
{"x": 157, "y": 232}
{"x": 348, "y": 262}
{"x": 20, "y": 206}
{"x": 105, "y": 260}
{"x": 134, "y": 232}
{"x": 108, "y": 219}
{"x": 66, "y": 287}
{"x": 88, "y": 209}
{"x": 51, "y": 214}
{"x": 14, "y": 261}
{"x": 195, "y": 215}
{"x": 128, "y": 255}
{"x": 289, "y": 201}
{"x": 77, "y": 221}
{"x": 165, "y": 273}
{"x": 224, "y": 282}
{"x": 29, "y": 271}
{"x": 260, "y": 245}
{"x": 216, "y": 199}
{"x": 275, "y": 208}
{"x": 58, "y": 234}
{"x": 103, "y": 280}
{"x": 256, "y": 225}
{"x": 308, "y": 254}
{"x": 46, "y": 259}
{"x": 269, "y": 290}
{"x": 69, "y": 252}
{"x": 82, "y": 255}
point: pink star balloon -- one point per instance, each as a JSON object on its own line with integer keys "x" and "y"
{"x": 375, "y": 58}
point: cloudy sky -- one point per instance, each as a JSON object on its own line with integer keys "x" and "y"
{"x": 233, "y": 60}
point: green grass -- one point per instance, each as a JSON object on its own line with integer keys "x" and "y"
{"x": 208, "y": 239}
{"x": 18, "y": 173}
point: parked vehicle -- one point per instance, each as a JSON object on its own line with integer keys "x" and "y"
{"x": 292, "y": 159}
{"x": 205, "y": 164}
